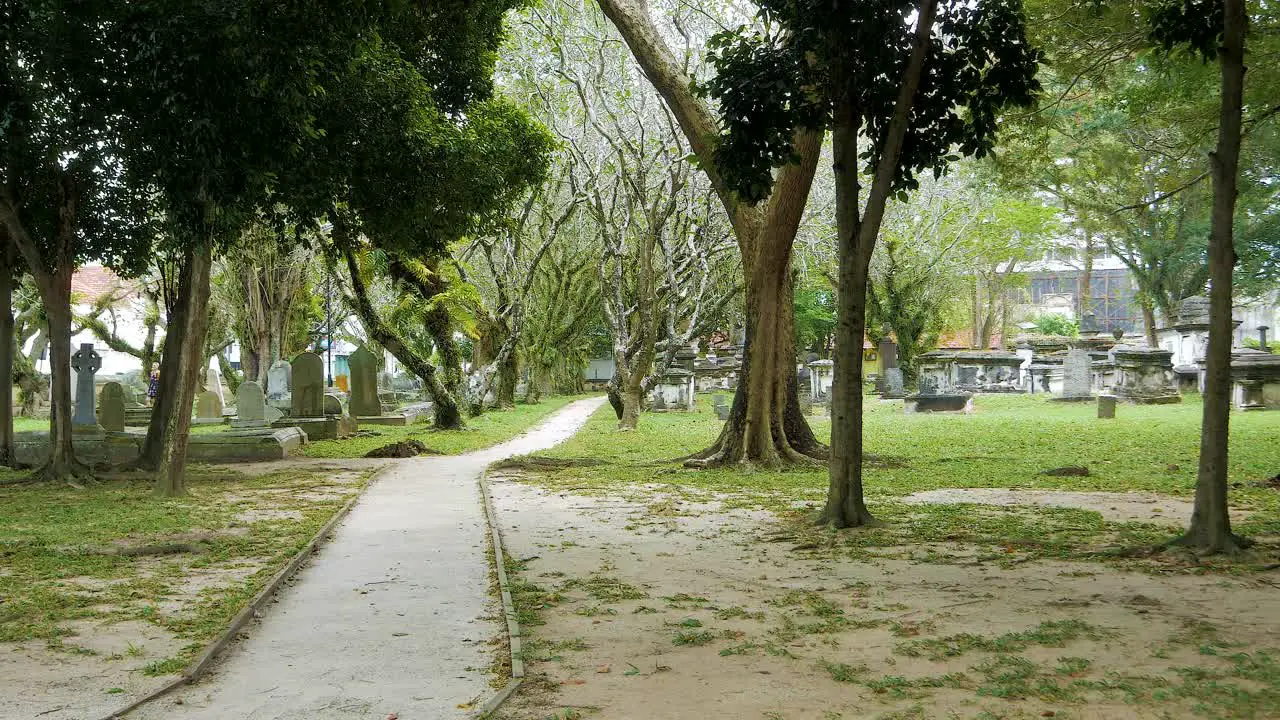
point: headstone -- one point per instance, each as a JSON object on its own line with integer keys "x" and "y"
{"x": 722, "y": 412}
{"x": 111, "y": 407}
{"x": 333, "y": 405}
{"x": 272, "y": 415}
{"x": 85, "y": 363}
{"x": 364, "y": 383}
{"x": 208, "y": 408}
{"x": 893, "y": 385}
{"x": 308, "y": 385}
{"x": 279, "y": 384}
{"x": 213, "y": 384}
{"x": 888, "y": 350}
{"x": 1077, "y": 374}
{"x": 1107, "y": 406}
{"x": 251, "y": 405}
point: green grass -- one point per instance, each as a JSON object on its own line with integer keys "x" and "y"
{"x": 491, "y": 428}
{"x": 52, "y": 539}
{"x": 1007, "y": 443}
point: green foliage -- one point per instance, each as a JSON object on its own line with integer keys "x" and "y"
{"x": 1056, "y": 324}
{"x": 815, "y": 310}
{"x": 811, "y": 55}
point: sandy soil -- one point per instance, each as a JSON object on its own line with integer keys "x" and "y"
{"x": 1113, "y": 506}
{"x": 610, "y": 658}
{"x": 99, "y": 668}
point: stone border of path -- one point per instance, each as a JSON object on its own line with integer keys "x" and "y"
{"x": 508, "y": 606}
{"x": 200, "y": 665}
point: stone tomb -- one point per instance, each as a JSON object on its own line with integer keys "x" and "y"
{"x": 1144, "y": 375}
{"x": 821, "y": 376}
{"x": 674, "y": 391}
{"x": 1255, "y": 378}
{"x": 116, "y": 448}
{"x": 970, "y": 371}
{"x": 950, "y": 402}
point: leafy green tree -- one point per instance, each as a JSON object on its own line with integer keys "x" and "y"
{"x": 1223, "y": 38}
{"x": 815, "y": 310}
{"x": 917, "y": 93}
{"x": 64, "y": 195}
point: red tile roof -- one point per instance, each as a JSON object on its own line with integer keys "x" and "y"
{"x": 93, "y": 281}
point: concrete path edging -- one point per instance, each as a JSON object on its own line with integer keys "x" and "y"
{"x": 508, "y": 606}
{"x": 198, "y": 666}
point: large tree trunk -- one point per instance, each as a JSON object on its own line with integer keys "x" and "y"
{"x": 1149, "y": 321}
{"x": 632, "y": 398}
{"x": 508, "y": 377}
{"x": 7, "y": 350}
{"x": 1086, "y": 276}
{"x": 767, "y": 403}
{"x": 445, "y": 405}
{"x": 845, "y": 506}
{"x": 1210, "y": 529}
{"x": 54, "y": 285}
{"x": 159, "y": 427}
{"x": 193, "y": 299}
{"x": 765, "y": 424}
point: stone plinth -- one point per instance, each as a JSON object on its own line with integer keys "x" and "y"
{"x": 1255, "y": 378}
{"x": 1144, "y": 375}
{"x": 117, "y": 448}
{"x": 821, "y": 376}
{"x": 970, "y": 371}
{"x": 951, "y": 402}
{"x": 675, "y": 391}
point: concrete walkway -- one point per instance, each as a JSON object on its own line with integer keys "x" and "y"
{"x": 386, "y": 618}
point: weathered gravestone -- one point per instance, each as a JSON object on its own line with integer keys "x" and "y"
{"x": 308, "y": 386}
{"x": 111, "y": 405}
{"x": 1077, "y": 374}
{"x": 893, "y": 385}
{"x": 364, "y": 384}
{"x": 213, "y": 384}
{"x": 85, "y": 363}
{"x": 279, "y": 383}
{"x": 251, "y": 405}
{"x": 1107, "y": 406}
{"x": 333, "y": 405}
{"x": 208, "y": 408}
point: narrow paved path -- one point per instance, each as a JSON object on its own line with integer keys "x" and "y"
{"x": 386, "y": 618}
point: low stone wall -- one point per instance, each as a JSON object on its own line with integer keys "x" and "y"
{"x": 117, "y": 448}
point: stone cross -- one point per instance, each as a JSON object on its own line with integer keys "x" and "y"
{"x": 308, "y": 386}
{"x": 250, "y": 405}
{"x": 85, "y": 362}
{"x": 111, "y": 407}
{"x": 364, "y": 384}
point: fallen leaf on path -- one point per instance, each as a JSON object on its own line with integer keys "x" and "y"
{"x": 574, "y": 681}
{"x": 602, "y": 669}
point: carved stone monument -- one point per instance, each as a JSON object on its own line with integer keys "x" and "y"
{"x": 364, "y": 384}
{"x": 86, "y": 362}
{"x": 1144, "y": 375}
{"x": 893, "y": 385}
{"x": 208, "y": 408}
{"x": 308, "y": 386}
{"x": 250, "y": 406}
{"x": 111, "y": 407}
{"x": 1077, "y": 374}
{"x": 213, "y": 384}
{"x": 279, "y": 385}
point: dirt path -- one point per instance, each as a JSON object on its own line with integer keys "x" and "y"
{"x": 678, "y": 610}
{"x": 391, "y": 616}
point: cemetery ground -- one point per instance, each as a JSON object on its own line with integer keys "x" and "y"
{"x": 107, "y": 592}
{"x": 1021, "y": 589}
